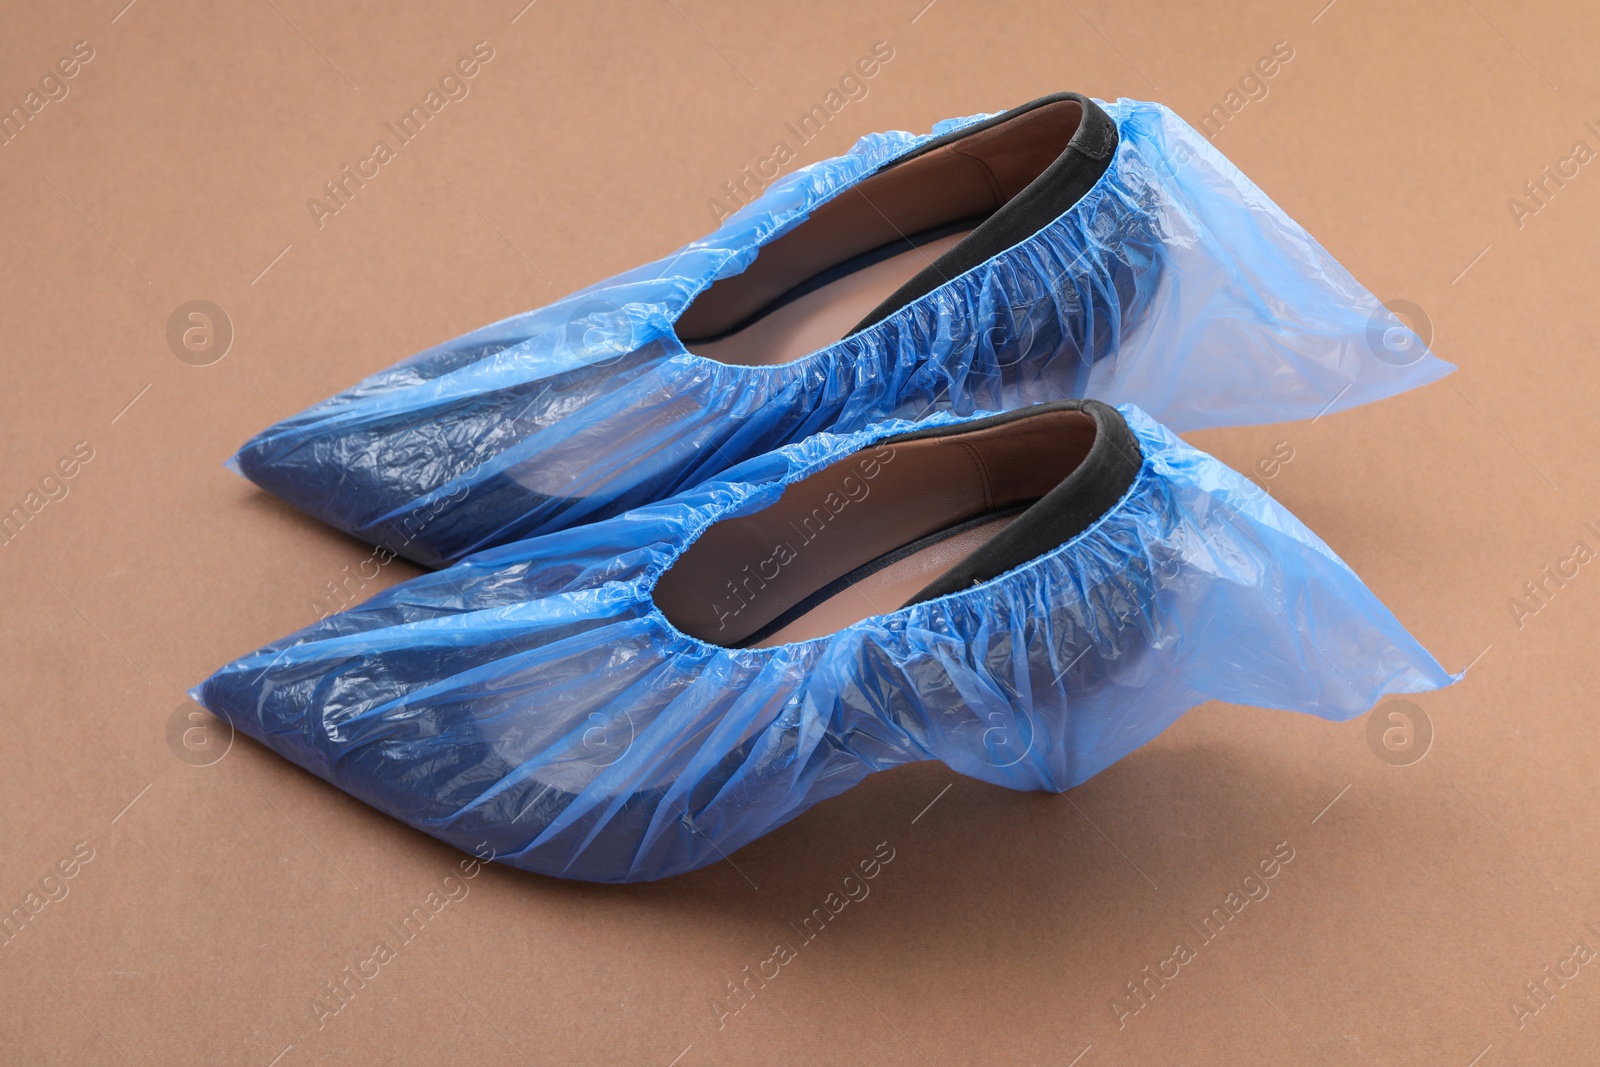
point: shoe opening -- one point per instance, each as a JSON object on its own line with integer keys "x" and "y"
{"x": 824, "y": 279}
{"x": 897, "y": 523}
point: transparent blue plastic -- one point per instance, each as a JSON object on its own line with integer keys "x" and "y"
{"x": 533, "y": 703}
{"x": 1174, "y": 284}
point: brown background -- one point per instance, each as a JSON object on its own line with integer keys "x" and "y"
{"x": 216, "y": 906}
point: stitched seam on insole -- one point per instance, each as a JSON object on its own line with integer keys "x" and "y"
{"x": 983, "y": 474}
{"x": 988, "y": 175}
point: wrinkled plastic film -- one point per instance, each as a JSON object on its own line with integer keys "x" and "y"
{"x": 1175, "y": 284}
{"x": 531, "y": 701}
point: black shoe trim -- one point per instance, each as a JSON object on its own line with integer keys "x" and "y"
{"x": 1078, "y": 502}
{"x": 1082, "y": 498}
{"x": 1042, "y": 201}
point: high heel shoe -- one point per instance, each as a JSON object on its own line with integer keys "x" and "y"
{"x": 1060, "y": 249}
{"x": 1028, "y": 597}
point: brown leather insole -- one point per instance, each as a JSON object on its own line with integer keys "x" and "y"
{"x": 745, "y": 572}
{"x": 965, "y": 179}
{"x": 886, "y": 590}
{"x": 824, "y": 315}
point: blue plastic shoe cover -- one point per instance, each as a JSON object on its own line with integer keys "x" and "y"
{"x": 534, "y": 703}
{"x": 1174, "y": 284}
